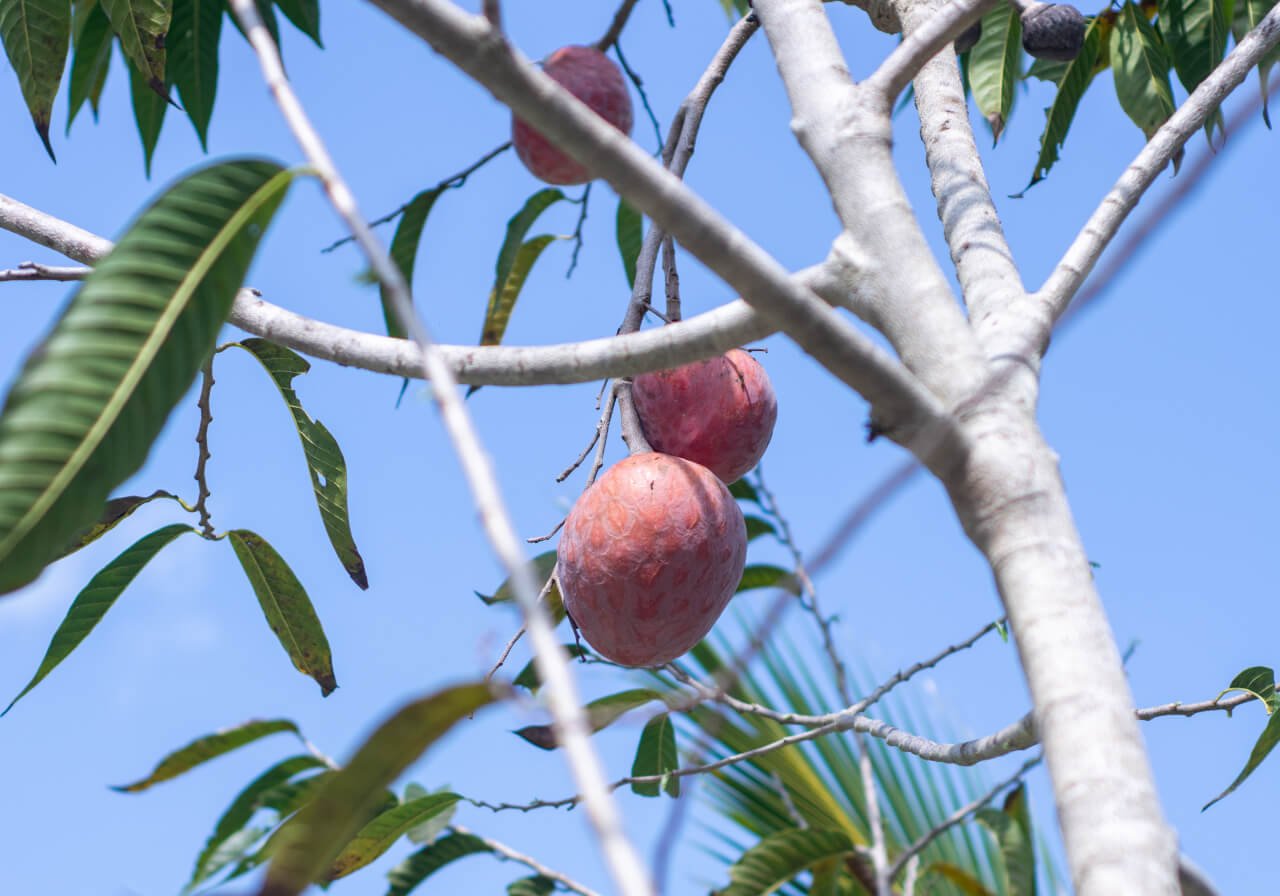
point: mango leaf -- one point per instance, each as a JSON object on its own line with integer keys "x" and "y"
{"x": 965, "y": 882}
{"x": 404, "y": 251}
{"x": 94, "y": 396}
{"x": 744, "y": 491}
{"x": 325, "y": 463}
{"x": 305, "y": 16}
{"x": 241, "y": 812}
{"x": 995, "y": 66}
{"x": 378, "y": 835}
{"x": 828, "y": 875}
{"x": 430, "y": 859}
{"x": 537, "y": 885}
{"x": 148, "y": 113}
{"x": 117, "y": 511}
{"x": 1265, "y": 743}
{"x": 528, "y": 677}
{"x": 765, "y": 575}
{"x": 1074, "y": 80}
{"x": 1259, "y": 681}
{"x": 1196, "y": 33}
{"x": 735, "y": 8}
{"x": 235, "y": 849}
{"x": 90, "y": 61}
{"x": 779, "y": 857}
{"x": 92, "y": 603}
{"x": 35, "y": 35}
{"x": 287, "y": 607}
{"x": 515, "y": 259}
{"x": 211, "y": 746}
{"x": 542, "y": 566}
{"x": 1012, "y": 829}
{"x": 427, "y": 832}
{"x": 757, "y": 526}
{"x": 312, "y": 840}
{"x": 656, "y": 755}
{"x": 630, "y": 233}
{"x": 1248, "y": 13}
{"x": 267, "y": 10}
{"x": 601, "y": 714}
{"x": 193, "y": 59}
{"x": 1140, "y": 62}
{"x": 142, "y": 26}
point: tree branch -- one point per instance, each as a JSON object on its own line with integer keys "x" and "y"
{"x": 31, "y": 271}
{"x": 929, "y": 36}
{"x": 507, "y": 852}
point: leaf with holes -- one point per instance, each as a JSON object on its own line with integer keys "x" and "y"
{"x": 630, "y": 233}
{"x": 142, "y": 26}
{"x": 96, "y": 393}
{"x": 779, "y": 857}
{"x": 1074, "y": 80}
{"x": 995, "y": 66}
{"x": 193, "y": 42}
{"x": 96, "y": 598}
{"x": 287, "y": 607}
{"x": 35, "y": 35}
{"x": 90, "y": 60}
{"x": 430, "y": 859}
{"x": 325, "y": 462}
{"x": 404, "y": 251}
{"x": 656, "y": 755}
{"x": 211, "y": 746}
{"x": 378, "y": 835}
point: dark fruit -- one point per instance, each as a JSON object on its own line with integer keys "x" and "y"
{"x": 649, "y": 558}
{"x": 968, "y": 38}
{"x": 719, "y": 412}
{"x": 591, "y": 77}
{"x": 1053, "y": 31}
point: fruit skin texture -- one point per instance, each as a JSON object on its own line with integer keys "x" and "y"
{"x": 719, "y": 412}
{"x": 1053, "y": 31}
{"x": 649, "y": 558}
{"x": 591, "y": 77}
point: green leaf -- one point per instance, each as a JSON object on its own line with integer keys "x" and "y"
{"x": 211, "y": 746}
{"x": 142, "y": 26}
{"x": 378, "y": 835}
{"x": 287, "y": 607}
{"x": 601, "y": 714}
{"x": 241, "y": 812}
{"x": 995, "y": 66}
{"x": 1075, "y": 78}
{"x": 1012, "y": 829}
{"x": 1140, "y": 63}
{"x": 757, "y": 526}
{"x": 765, "y": 575}
{"x": 537, "y": 885}
{"x": 430, "y": 859}
{"x": 267, "y": 10}
{"x": 117, "y": 511}
{"x": 542, "y": 567}
{"x": 148, "y": 112}
{"x": 92, "y": 603}
{"x": 193, "y": 59}
{"x": 35, "y": 35}
{"x": 735, "y": 8}
{"x": 90, "y": 62}
{"x": 630, "y": 232}
{"x": 963, "y": 880}
{"x": 313, "y": 839}
{"x": 325, "y": 463}
{"x": 404, "y": 251}
{"x": 656, "y": 755}
{"x": 528, "y": 677}
{"x": 779, "y": 857}
{"x": 235, "y": 849}
{"x": 94, "y": 396}
{"x": 515, "y": 258}
{"x": 1259, "y": 681}
{"x": 1266, "y": 741}
{"x": 1248, "y": 13}
{"x": 1195, "y": 32}
{"x": 427, "y": 832}
{"x": 744, "y": 491}
{"x": 305, "y": 16}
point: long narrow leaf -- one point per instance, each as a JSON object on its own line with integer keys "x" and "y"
{"x": 778, "y": 858}
{"x": 149, "y": 109}
{"x": 1075, "y": 79}
{"x": 142, "y": 26}
{"x": 90, "y": 61}
{"x": 35, "y": 35}
{"x": 404, "y": 251}
{"x": 601, "y": 714}
{"x": 378, "y": 835}
{"x": 1261, "y": 749}
{"x": 995, "y": 66}
{"x": 1140, "y": 62}
{"x": 116, "y": 512}
{"x": 430, "y": 859}
{"x": 630, "y": 234}
{"x": 211, "y": 746}
{"x": 515, "y": 258}
{"x": 193, "y": 59}
{"x": 1248, "y": 13}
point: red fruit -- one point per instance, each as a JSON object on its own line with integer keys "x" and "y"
{"x": 649, "y": 558}
{"x": 718, "y": 413}
{"x": 593, "y": 78}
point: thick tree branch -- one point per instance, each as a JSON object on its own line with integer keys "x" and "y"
{"x": 926, "y": 38}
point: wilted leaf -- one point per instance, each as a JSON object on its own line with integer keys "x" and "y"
{"x": 630, "y": 233}
{"x": 656, "y": 755}
{"x": 779, "y": 857}
{"x": 210, "y": 746}
{"x": 430, "y": 859}
{"x": 995, "y": 66}
{"x": 36, "y": 34}
{"x": 117, "y": 511}
{"x": 378, "y": 835}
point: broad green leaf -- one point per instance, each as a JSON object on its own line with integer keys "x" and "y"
{"x": 378, "y": 835}
{"x": 744, "y": 491}
{"x": 528, "y": 677}
{"x": 404, "y": 251}
{"x": 92, "y": 603}
{"x": 1012, "y": 829}
{"x": 1075, "y": 79}
{"x": 342, "y": 806}
{"x": 117, "y": 511}
{"x": 1259, "y": 681}
{"x": 963, "y": 880}
{"x": 193, "y": 59}
{"x": 1266, "y": 741}
{"x": 656, "y": 755}
{"x": 430, "y": 859}
{"x": 241, "y": 812}
{"x": 1248, "y": 13}
{"x": 325, "y": 463}
{"x": 531, "y": 886}
{"x": 601, "y": 714}
{"x": 94, "y": 396}
{"x": 287, "y": 607}
{"x": 779, "y": 857}
{"x": 757, "y": 526}
{"x": 1195, "y": 32}
{"x": 765, "y": 575}
{"x": 90, "y": 61}
{"x": 1140, "y": 63}
{"x": 542, "y": 567}
{"x": 211, "y": 746}
{"x": 1050, "y": 70}
{"x": 305, "y": 16}
{"x": 512, "y": 255}
{"x": 142, "y": 26}
{"x": 630, "y": 233}
{"x": 35, "y": 35}
{"x": 995, "y": 66}
{"x": 149, "y": 108}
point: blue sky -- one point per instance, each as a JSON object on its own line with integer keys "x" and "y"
{"x": 1158, "y": 402}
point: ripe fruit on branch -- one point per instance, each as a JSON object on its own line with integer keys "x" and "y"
{"x": 718, "y": 413}
{"x": 1053, "y": 31}
{"x": 591, "y": 77}
{"x": 649, "y": 557}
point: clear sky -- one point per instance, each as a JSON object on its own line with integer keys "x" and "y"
{"x": 1158, "y": 402}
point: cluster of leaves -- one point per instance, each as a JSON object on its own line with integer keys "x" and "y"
{"x": 169, "y": 44}
{"x": 1143, "y": 44}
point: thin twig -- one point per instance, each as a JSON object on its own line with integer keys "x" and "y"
{"x": 542, "y": 596}
{"x": 577, "y": 230}
{"x": 31, "y": 271}
{"x": 671, "y": 278}
{"x": 202, "y": 448}
{"x": 601, "y": 432}
{"x": 610, "y": 37}
{"x": 639, "y": 84}
{"x": 507, "y": 852}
